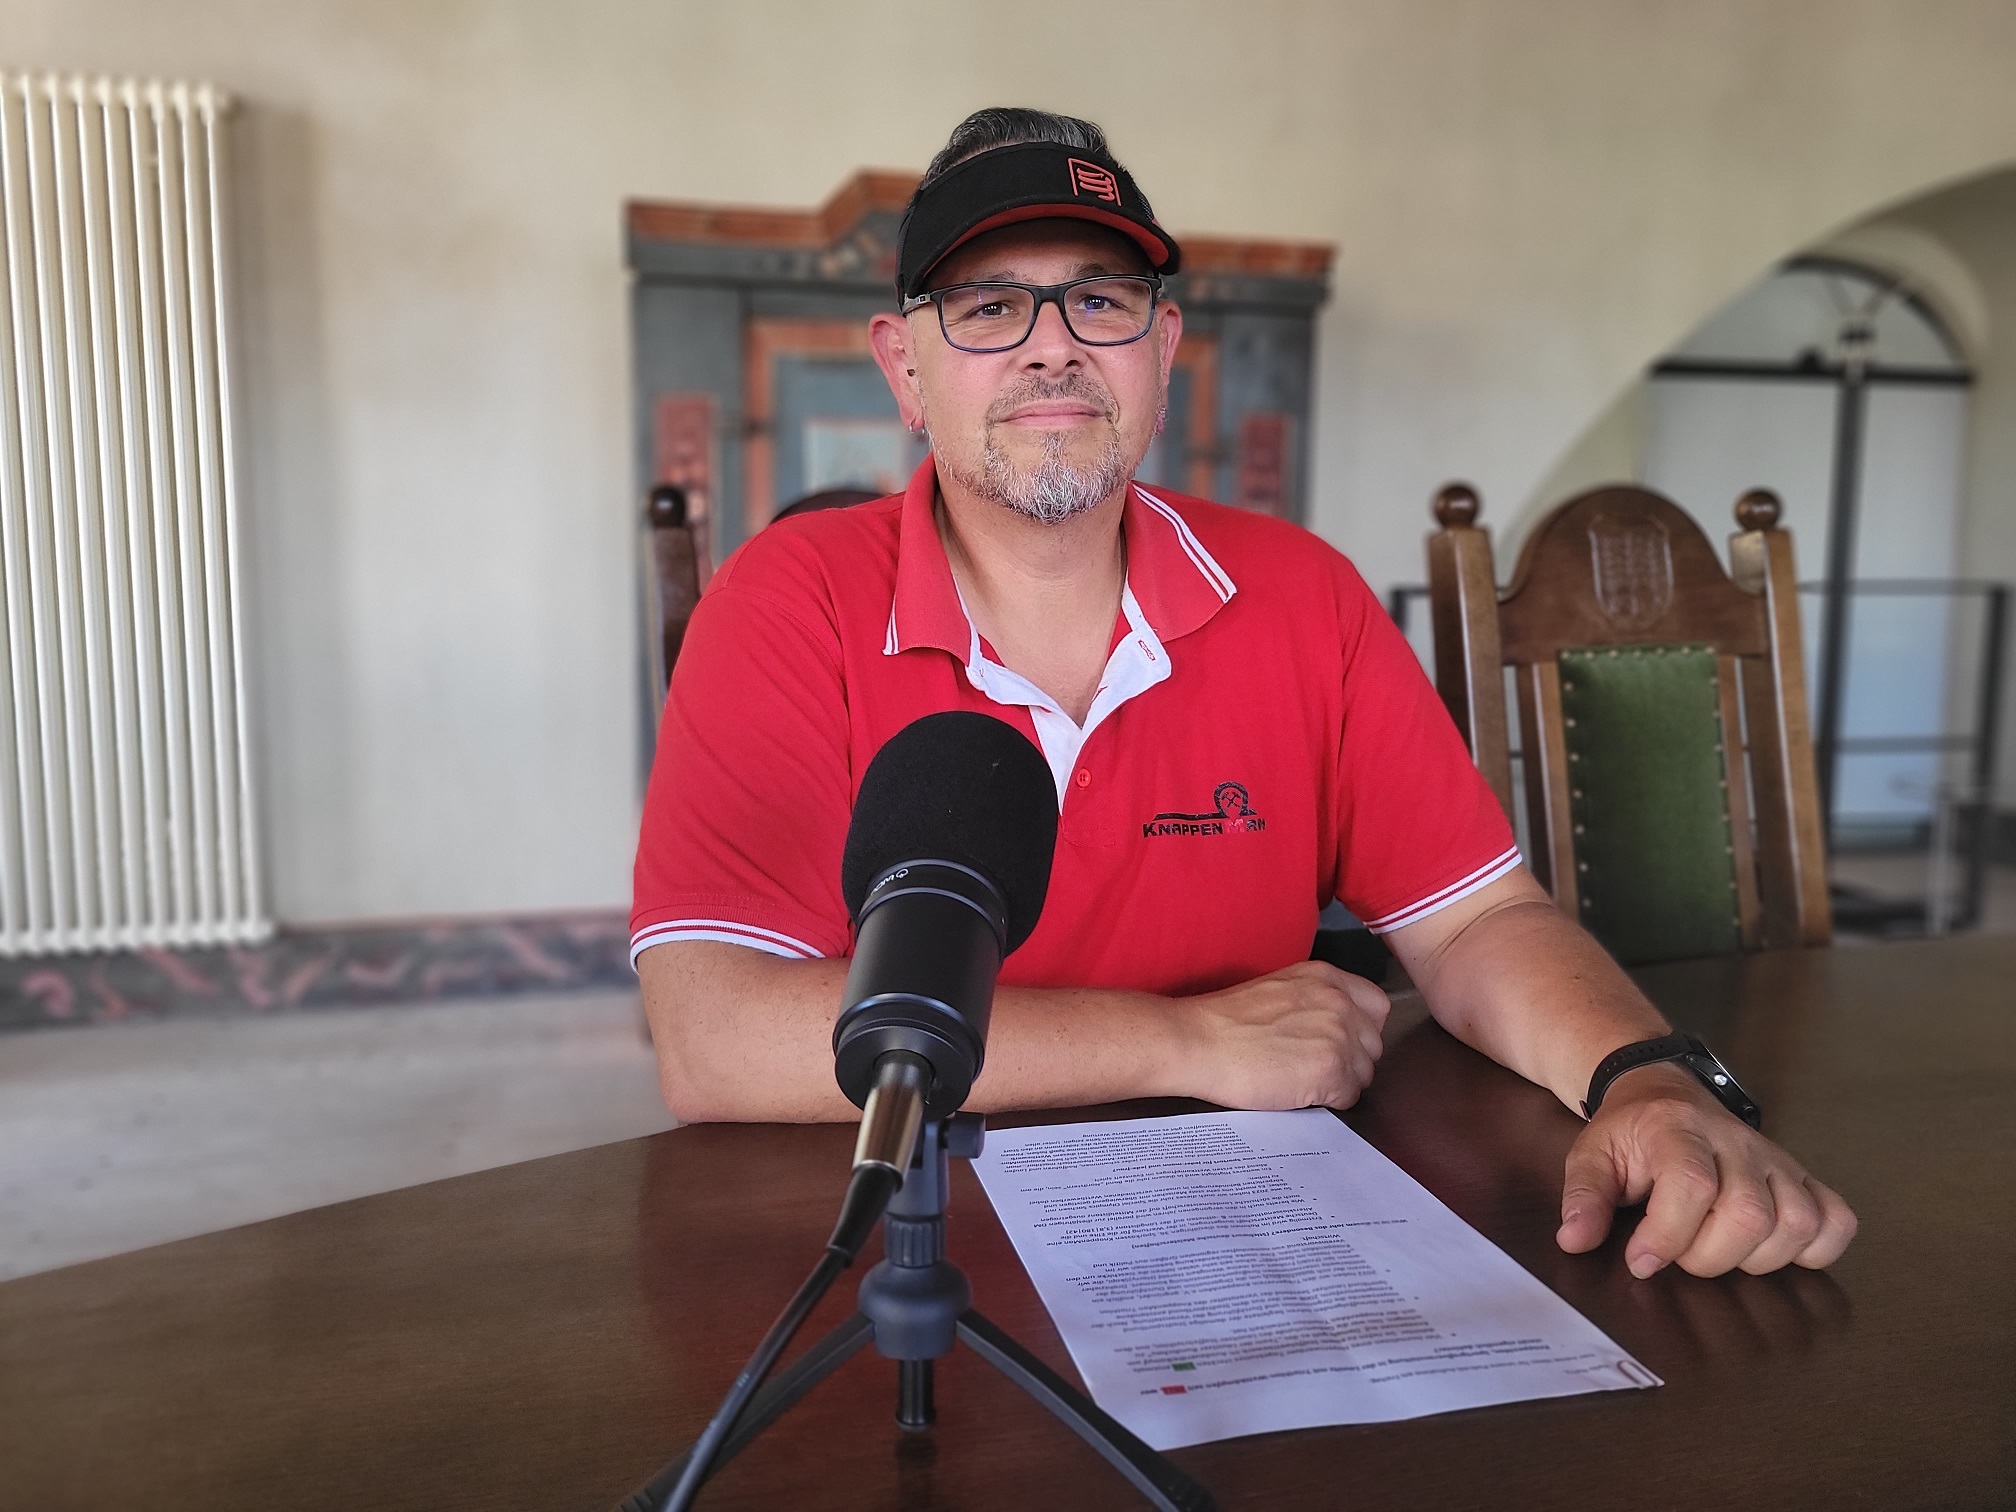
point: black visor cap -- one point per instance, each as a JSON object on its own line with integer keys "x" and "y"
{"x": 1032, "y": 181}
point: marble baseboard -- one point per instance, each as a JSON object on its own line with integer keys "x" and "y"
{"x": 303, "y": 969}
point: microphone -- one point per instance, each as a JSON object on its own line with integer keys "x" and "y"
{"x": 946, "y": 864}
{"x": 945, "y": 869}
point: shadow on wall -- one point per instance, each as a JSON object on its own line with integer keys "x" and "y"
{"x": 297, "y": 605}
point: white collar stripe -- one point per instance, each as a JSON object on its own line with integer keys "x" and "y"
{"x": 1205, "y": 563}
{"x": 721, "y": 932}
{"x": 753, "y": 929}
{"x": 1435, "y": 902}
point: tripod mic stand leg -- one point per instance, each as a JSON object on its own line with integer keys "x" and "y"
{"x": 1168, "y": 1488}
{"x": 914, "y": 1306}
{"x": 915, "y": 1408}
{"x": 768, "y": 1405}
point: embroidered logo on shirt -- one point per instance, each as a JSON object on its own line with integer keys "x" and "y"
{"x": 1231, "y": 813}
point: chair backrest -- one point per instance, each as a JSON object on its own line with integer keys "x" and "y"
{"x": 675, "y": 576}
{"x": 676, "y": 549}
{"x": 1639, "y": 665}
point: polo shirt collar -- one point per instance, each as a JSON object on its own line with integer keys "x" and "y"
{"x": 1177, "y": 583}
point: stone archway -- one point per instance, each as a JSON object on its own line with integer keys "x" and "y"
{"x": 1952, "y": 249}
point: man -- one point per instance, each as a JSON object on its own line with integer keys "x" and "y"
{"x": 1237, "y": 733}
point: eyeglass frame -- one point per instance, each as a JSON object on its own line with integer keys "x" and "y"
{"x": 1045, "y": 294}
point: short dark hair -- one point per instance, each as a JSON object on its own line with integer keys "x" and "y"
{"x": 1013, "y": 126}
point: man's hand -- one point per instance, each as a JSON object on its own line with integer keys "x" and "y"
{"x": 1721, "y": 1195}
{"x": 1306, "y": 1036}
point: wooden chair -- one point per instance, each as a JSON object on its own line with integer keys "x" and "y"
{"x": 675, "y": 577}
{"x": 1670, "y": 797}
{"x": 676, "y": 549}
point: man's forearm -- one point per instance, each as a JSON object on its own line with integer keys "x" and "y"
{"x": 744, "y": 1036}
{"x": 1522, "y": 983}
{"x": 1506, "y": 973}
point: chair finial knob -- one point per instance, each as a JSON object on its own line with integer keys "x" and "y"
{"x": 1758, "y": 509}
{"x": 667, "y": 506}
{"x": 1457, "y": 504}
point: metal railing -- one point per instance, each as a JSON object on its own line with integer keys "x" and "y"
{"x": 1962, "y": 819}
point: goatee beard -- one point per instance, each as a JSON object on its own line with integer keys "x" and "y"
{"x": 1054, "y": 489}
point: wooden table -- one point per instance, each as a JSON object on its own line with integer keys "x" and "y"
{"x": 545, "y": 1335}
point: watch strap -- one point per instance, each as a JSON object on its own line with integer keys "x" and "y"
{"x": 1687, "y": 1051}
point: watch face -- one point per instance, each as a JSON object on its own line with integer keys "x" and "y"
{"x": 1711, "y": 1071}
{"x": 1718, "y": 1079}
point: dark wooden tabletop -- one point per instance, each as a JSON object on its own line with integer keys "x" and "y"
{"x": 545, "y": 1335}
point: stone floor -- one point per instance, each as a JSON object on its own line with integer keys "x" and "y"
{"x": 1907, "y": 875}
{"x": 119, "y": 1136}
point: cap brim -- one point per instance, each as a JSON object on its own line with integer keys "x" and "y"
{"x": 1154, "y": 246}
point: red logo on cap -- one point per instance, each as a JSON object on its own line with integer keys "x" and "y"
{"x": 1090, "y": 178}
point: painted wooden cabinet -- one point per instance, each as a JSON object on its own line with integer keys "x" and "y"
{"x": 754, "y": 384}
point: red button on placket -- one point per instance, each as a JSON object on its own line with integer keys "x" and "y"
{"x": 1084, "y": 778}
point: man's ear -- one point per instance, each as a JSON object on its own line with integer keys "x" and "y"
{"x": 889, "y": 337}
{"x": 1169, "y": 320}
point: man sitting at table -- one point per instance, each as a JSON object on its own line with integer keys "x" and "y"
{"x": 1238, "y": 735}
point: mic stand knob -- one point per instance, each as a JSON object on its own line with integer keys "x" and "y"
{"x": 965, "y": 1135}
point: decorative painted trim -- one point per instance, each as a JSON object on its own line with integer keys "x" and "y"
{"x": 873, "y": 191}
{"x": 850, "y": 243}
{"x": 406, "y": 961}
{"x": 744, "y": 225}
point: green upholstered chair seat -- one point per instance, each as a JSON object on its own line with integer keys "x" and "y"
{"x": 1648, "y": 786}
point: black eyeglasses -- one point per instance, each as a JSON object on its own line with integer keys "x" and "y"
{"x": 993, "y": 317}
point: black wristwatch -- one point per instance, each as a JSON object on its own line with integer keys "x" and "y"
{"x": 1689, "y": 1052}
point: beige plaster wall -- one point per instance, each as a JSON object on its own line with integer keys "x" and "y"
{"x": 1977, "y": 222}
{"x": 1532, "y": 199}
{"x": 1610, "y": 450}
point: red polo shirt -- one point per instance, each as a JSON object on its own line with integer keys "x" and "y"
{"x": 1263, "y": 740}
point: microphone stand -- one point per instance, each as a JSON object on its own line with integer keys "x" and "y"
{"x": 913, "y": 1307}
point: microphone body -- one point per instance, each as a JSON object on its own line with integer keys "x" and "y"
{"x": 928, "y": 946}
{"x": 946, "y": 865}
{"x": 945, "y": 868}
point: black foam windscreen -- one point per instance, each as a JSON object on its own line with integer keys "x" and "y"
{"x": 964, "y": 787}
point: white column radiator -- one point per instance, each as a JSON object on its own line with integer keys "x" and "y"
{"x": 126, "y": 804}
